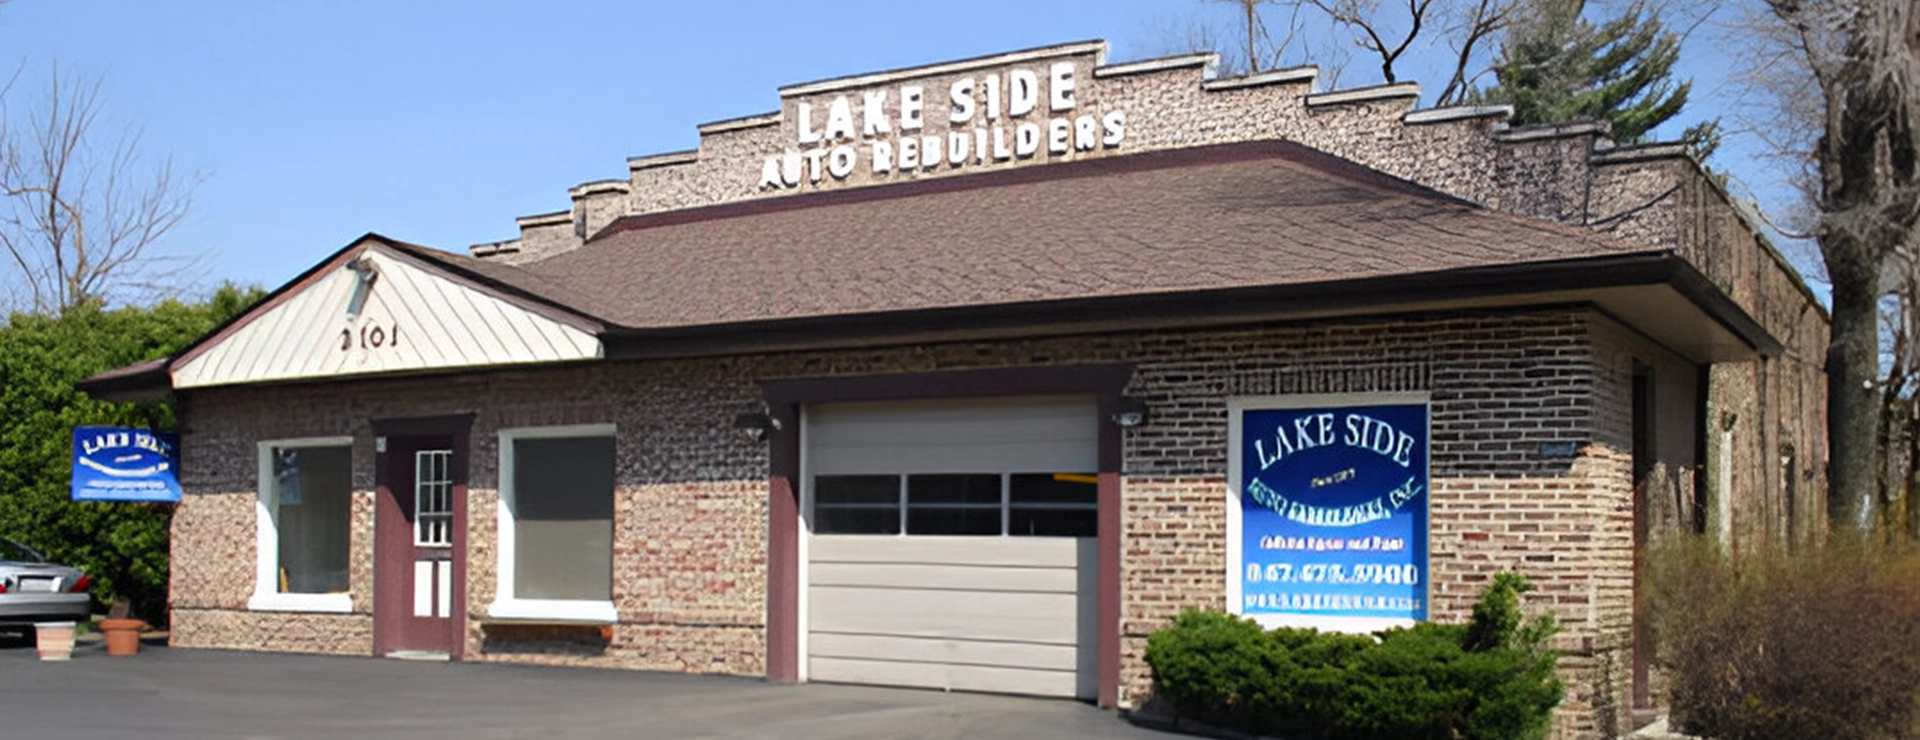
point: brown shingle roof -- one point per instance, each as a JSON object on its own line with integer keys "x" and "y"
{"x": 533, "y": 285}
{"x": 1268, "y": 221}
{"x": 1232, "y": 216}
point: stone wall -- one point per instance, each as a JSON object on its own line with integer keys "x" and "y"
{"x": 1167, "y": 106}
{"x": 1768, "y": 420}
{"x": 1568, "y": 174}
{"x": 690, "y": 511}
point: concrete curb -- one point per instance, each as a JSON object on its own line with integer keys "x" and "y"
{"x": 1164, "y": 723}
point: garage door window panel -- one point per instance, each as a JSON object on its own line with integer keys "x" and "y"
{"x": 955, "y": 504}
{"x": 303, "y": 514}
{"x": 1053, "y": 504}
{"x": 856, "y": 504}
{"x": 556, "y": 524}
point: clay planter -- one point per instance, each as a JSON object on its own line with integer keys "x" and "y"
{"x": 123, "y": 635}
{"x": 54, "y": 640}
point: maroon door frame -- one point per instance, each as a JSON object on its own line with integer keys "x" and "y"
{"x": 784, "y": 399}
{"x": 393, "y": 550}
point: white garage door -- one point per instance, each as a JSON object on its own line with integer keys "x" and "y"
{"x": 953, "y": 544}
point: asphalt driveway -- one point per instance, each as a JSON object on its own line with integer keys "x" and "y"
{"x": 169, "y": 693}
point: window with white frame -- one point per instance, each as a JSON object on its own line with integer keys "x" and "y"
{"x": 556, "y": 524}
{"x": 303, "y": 515}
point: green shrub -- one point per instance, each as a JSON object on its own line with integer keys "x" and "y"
{"x": 121, "y": 546}
{"x": 1489, "y": 679}
{"x": 1822, "y": 641}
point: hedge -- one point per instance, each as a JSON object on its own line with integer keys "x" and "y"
{"x": 121, "y": 546}
{"x": 1489, "y": 679}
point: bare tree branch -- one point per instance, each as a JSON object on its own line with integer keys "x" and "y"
{"x": 1364, "y": 16}
{"x": 83, "y": 218}
{"x": 1469, "y": 31}
{"x": 1279, "y": 49}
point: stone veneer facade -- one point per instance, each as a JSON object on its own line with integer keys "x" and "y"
{"x": 691, "y": 511}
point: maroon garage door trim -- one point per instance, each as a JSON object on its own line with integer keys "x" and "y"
{"x": 784, "y": 399}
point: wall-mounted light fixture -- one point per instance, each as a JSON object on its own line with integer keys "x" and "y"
{"x": 364, "y": 273}
{"x": 1130, "y": 412}
{"x": 756, "y": 423}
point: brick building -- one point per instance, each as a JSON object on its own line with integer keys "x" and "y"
{"x": 956, "y": 376}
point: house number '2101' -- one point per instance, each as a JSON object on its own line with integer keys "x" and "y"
{"x": 370, "y": 336}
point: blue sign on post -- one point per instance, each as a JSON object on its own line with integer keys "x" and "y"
{"x": 1329, "y": 528}
{"x": 121, "y": 464}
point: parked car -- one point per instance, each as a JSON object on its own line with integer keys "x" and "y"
{"x": 34, "y": 590}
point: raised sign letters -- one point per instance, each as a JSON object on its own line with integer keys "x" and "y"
{"x": 989, "y": 120}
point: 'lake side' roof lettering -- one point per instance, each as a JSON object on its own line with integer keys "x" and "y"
{"x": 986, "y": 124}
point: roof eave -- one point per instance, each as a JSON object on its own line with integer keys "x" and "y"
{"x": 1187, "y": 309}
{"x": 1701, "y": 290}
{"x": 1129, "y": 312}
{"x": 131, "y": 384}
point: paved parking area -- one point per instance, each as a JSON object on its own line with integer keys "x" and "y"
{"x": 167, "y": 693}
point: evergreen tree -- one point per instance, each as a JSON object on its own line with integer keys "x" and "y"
{"x": 122, "y": 546}
{"x": 1557, "y": 65}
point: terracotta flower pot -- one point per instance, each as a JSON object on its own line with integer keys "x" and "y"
{"x": 54, "y": 640}
{"x": 123, "y": 635}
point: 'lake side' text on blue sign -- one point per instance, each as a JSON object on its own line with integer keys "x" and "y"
{"x": 121, "y": 464}
{"x": 1332, "y": 511}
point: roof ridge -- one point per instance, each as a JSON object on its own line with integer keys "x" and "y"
{"x": 547, "y": 291}
{"x": 1158, "y": 159}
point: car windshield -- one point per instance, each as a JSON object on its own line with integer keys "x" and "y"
{"x": 18, "y": 553}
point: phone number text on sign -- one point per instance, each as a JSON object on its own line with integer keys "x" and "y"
{"x": 1365, "y": 573}
{"x": 1331, "y": 496}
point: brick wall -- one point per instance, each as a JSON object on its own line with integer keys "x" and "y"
{"x": 1500, "y": 387}
{"x": 690, "y": 510}
{"x": 699, "y": 573}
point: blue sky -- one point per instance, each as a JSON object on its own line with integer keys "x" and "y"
{"x": 439, "y": 122}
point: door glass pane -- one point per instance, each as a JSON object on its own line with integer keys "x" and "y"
{"x": 953, "y": 504}
{"x": 433, "y": 498}
{"x": 312, "y": 492}
{"x": 563, "y": 518}
{"x": 1053, "y": 504}
{"x": 856, "y": 504}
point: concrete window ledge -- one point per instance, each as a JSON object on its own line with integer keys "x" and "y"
{"x": 279, "y": 602}
{"x": 551, "y": 611}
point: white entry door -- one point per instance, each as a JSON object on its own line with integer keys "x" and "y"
{"x": 952, "y": 544}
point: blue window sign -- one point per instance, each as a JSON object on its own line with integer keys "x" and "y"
{"x": 123, "y": 464}
{"x": 1328, "y": 524}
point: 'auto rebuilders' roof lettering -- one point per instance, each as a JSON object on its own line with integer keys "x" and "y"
{"x": 989, "y": 119}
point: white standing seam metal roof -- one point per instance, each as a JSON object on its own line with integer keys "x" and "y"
{"x": 411, "y": 319}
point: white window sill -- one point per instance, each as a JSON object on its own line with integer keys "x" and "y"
{"x": 553, "y": 610}
{"x": 278, "y": 602}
